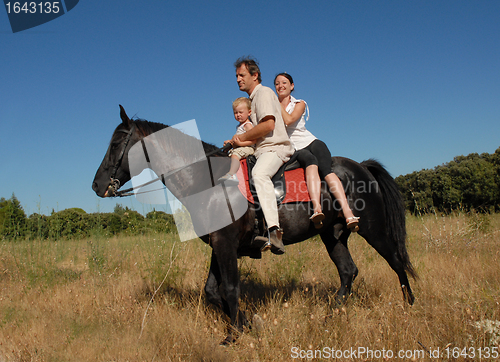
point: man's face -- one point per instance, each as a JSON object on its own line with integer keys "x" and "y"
{"x": 246, "y": 81}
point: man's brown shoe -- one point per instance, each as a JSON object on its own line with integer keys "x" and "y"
{"x": 277, "y": 246}
{"x": 274, "y": 243}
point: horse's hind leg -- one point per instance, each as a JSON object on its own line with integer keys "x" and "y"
{"x": 389, "y": 251}
{"x": 340, "y": 255}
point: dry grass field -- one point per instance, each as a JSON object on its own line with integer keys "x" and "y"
{"x": 141, "y": 299}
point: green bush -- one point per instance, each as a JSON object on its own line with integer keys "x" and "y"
{"x": 37, "y": 226}
{"x": 76, "y": 223}
{"x": 159, "y": 222}
{"x": 467, "y": 183}
{"x": 68, "y": 223}
{"x": 12, "y": 218}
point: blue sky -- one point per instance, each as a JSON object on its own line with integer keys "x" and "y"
{"x": 410, "y": 83}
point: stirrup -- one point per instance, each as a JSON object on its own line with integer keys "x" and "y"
{"x": 267, "y": 246}
{"x": 267, "y": 243}
{"x": 277, "y": 248}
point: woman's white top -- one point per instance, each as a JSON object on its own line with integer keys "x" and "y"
{"x": 297, "y": 131}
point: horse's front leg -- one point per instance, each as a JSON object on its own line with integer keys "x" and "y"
{"x": 224, "y": 279}
{"x": 212, "y": 286}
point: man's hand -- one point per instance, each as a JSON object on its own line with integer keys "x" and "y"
{"x": 236, "y": 140}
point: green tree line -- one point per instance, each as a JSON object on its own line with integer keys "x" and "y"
{"x": 76, "y": 223}
{"x": 467, "y": 183}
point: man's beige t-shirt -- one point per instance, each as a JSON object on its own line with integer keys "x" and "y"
{"x": 265, "y": 103}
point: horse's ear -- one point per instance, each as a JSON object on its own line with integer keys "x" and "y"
{"x": 126, "y": 121}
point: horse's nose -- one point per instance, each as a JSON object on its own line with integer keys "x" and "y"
{"x": 95, "y": 186}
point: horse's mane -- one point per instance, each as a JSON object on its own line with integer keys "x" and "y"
{"x": 146, "y": 128}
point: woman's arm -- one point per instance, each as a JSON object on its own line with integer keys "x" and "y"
{"x": 300, "y": 107}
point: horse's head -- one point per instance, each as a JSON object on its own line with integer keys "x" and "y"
{"x": 114, "y": 169}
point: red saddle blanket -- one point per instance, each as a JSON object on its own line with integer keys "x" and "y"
{"x": 296, "y": 187}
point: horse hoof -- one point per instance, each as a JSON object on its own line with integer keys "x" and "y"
{"x": 228, "y": 340}
{"x": 341, "y": 300}
{"x": 408, "y": 295}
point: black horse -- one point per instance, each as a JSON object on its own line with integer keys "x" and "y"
{"x": 371, "y": 191}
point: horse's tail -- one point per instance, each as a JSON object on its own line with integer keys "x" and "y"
{"x": 394, "y": 210}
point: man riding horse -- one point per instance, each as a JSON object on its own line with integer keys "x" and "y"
{"x": 273, "y": 147}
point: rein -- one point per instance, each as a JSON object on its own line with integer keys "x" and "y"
{"x": 115, "y": 183}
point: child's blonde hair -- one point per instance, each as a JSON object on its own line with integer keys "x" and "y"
{"x": 240, "y": 100}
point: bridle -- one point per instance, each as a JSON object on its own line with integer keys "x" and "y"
{"x": 114, "y": 185}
